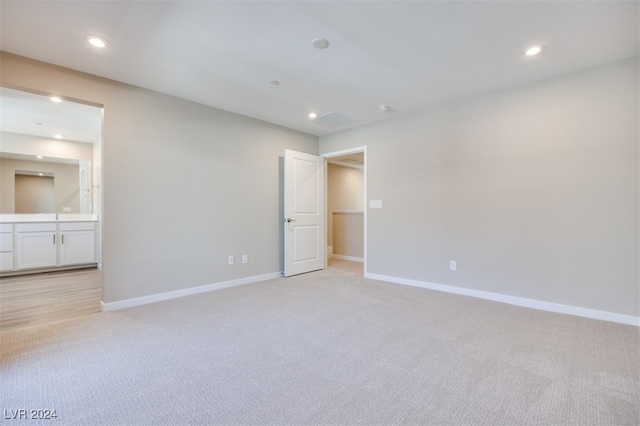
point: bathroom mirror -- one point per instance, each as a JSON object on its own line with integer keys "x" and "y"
{"x": 47, "y": 147}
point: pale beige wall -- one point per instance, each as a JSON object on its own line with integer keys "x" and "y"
{"x": 66, "y": 183}
{"x": 184, "y": 185}
{"x": 348, "y": 234}
{"x": 345, "y": 191}
{"x": 34, "y": 194}
{"x": 534, "y": 191}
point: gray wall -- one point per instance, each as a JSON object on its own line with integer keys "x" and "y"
{"x": 184, "y": 185}
{"x": 534, "y": 191}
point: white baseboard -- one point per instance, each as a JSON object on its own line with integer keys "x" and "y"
{"x": 128, "y": 303}
{"x": 513, "y": 300}
{"x": 351, "y": 258}
{"x": 332, "y": 255}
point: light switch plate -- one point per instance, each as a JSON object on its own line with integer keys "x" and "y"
{"x": 375, "y": 204}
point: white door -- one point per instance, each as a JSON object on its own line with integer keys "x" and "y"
{"x": 304, "y": 213}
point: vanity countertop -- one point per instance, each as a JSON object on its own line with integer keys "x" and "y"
{"x": 77, "y": 217}
{"x": 48, "y": 217}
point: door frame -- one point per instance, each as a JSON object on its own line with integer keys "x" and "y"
{"x": 365, "y": 198}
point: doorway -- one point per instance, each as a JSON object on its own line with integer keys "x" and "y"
{"x": 51, "y": 162}
{"x": 346, "y": 216}
{"x": 34, "y": 193}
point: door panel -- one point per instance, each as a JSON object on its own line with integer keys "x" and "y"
{"x": 305, "y": 186}
{"x": 304, "y": 213}
{"x": 305, "y": 243}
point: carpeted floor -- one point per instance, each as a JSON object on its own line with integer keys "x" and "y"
{"x": 328, "y": 347}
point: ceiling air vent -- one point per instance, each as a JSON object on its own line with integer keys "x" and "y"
{"x": 334, "y": 119}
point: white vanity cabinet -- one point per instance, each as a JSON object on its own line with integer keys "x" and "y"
{"x": 77, "y": 244}
{"x": 39, "y": 243}
{"x": 36, "y": 245}
{"x": 6, "y": 247}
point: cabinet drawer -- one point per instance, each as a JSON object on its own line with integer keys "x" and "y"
{"x": 77, "y": 226}
{"x": 35, "y": 227}
{"x": 6, "y": 242}
{"x": 6, "y": 261}
{"x": 6, "y": 227}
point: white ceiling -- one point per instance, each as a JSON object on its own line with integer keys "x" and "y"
{"x": 350, "y": 160}
{"x": 36, "y": 115}
{"x": 407, "y": 54}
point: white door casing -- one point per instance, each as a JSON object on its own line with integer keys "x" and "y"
{"x": 304, "y": 210}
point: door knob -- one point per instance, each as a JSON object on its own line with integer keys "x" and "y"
{"x": 290, "y": 220}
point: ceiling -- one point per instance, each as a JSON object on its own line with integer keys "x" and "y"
{"x": 408, "y": 55}
{"x": 36, "y": 115}
{"x": 355, "y": 160}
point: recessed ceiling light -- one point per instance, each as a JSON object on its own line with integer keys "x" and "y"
{"x": 96, "y": 40}
{"x": 39, "y": 157}
{"x": 320, "y": 43}
{"x": 40, "y": 174}
{"x": 383, "y": 108}
{"x": 58, "y": 136}
{"x": 533, "y": 50}
{"x": 313, "y": 115}
{"x": 55, "y": 99}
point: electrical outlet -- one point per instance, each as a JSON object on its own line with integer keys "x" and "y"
{"x": 453, "y": 265}
{"x": 230, "y": 260}
{"x": 245, "y": 258}
{"x": 375, "y": 204}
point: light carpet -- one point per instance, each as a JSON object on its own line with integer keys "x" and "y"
{"x": 329, "y": 347}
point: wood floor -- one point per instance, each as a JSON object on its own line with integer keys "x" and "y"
{"x": 47, "y": 297}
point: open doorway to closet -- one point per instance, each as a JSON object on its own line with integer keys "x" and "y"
{"x": 346, "y": 212}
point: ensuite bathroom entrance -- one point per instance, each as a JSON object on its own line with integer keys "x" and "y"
{"x": 50, "y": 208}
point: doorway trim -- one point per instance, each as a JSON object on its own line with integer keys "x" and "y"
{"x": 365, "y": 197}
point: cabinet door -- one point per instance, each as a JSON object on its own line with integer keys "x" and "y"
{"x": 35, "y": 249}
{"x": 6, "y": 251}
{"x": 77, "y": 247}
{"x": 6, "y": 261}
